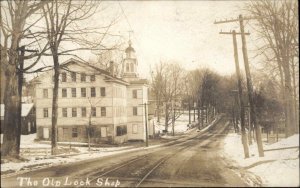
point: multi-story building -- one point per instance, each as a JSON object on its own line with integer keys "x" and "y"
{"x": 90, "y": 98}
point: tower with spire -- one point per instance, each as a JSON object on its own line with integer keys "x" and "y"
{"x": 130, "y": 64}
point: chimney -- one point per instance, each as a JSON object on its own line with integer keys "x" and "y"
{"x": 111, "y": 68}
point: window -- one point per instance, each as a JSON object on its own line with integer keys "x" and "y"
{"x": 93, "y": 92}
{"x": 74, "y": 132}
{"x": 74, "y": 112}
{"x": 73, "y": 76}
{"x": 127, "y": 67}
{"x": 93, "y": 78}
{"x": 93, "y": 111}
{"x": 46, "y": 112}
{"x": 64, "y": 77}
{"x": 83, "y": 92}
{"x": 131, "y": 66}
{"x": 103, "y": 131}
{"x": 134, "y": 129}
{"x": 103, "y": 111}
{"x": 102, "y": 89}
{"x": 82, "y": 77}
{"x": 83, "y": 112}
{"x": 135, "y": 111}
{"x": 121, "y": 130}
{"x": 45, "y": 93}
{"x": 64, "y": 92}
{"x": 65, "y": 112}
{"x": 73, "y": 92}
{"x": 134, "y": 94}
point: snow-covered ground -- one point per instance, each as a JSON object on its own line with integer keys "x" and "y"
{"x": 40, "y": 161}
{"x": 180, "y": 126}
{"x": 276, "y": 168}
{"x": 28, "y": 141}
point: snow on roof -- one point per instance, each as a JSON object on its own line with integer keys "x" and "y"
{"x": 25, "y": 109}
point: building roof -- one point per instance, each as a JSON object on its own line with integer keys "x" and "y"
{"x": 109, "y": 77}
{"x": 139, "y": 81}
{"x": 26, "y": 108}
{"x": 129, "y": 48}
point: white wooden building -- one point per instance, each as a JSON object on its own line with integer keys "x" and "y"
{"x": 90, "y": 98}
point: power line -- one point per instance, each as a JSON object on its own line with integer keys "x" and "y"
{"x": 241, "y": 20}
{"x": 131, "y": 30}
{"x": 125, "y": 16}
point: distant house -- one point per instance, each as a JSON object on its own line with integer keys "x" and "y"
{"x": 95, "y": 100}
{"x": 28, "y": 118}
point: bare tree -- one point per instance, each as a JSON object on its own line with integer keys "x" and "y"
{"x": 15, "y": 27}
{"x": 168, "y": 80}
{"x": 195, "y": 87}
{"x": 64, "y": 23}
{"x": 157, "y": 86}
{"x": 105, "y": 58}
{"x": 277, "y": 26}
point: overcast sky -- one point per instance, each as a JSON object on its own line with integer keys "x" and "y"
{"x": 183, "y": 31}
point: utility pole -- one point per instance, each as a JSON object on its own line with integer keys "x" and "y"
{"x": 202, "y": 117}
{"x": 199, "y": 108}
{"x": 250, "y": 91}
{"x": 240, "y": 92}
{"x": 189, "y": 112}
{"x": 206, "y": 114}
{"x": 146, "y": 125}
{"x": 89, "y": 130}
{"x": 173, "y": 117}
{"x": 233, "y": 116}
{"x": 240, "y": 19}
{"x": 20, "y": 86}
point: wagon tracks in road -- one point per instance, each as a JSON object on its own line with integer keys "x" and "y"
{"x": 143, "y": 172}
{"x": 137, "y": 182}
{"x": 160, "y": 162}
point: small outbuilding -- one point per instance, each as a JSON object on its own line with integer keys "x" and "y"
{"x": 28, "y": 118}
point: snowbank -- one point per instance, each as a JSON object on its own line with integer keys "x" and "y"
{"x": 276, "y": 168}
{"x": 181, "y": 124}
{"x": 28, "y": 141}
